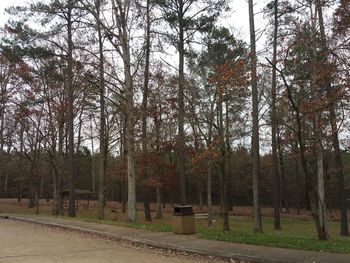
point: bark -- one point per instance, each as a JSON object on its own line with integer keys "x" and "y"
{"x": 318, "y": 206}
{"x": 159, "y": 213}
{"x": 6, "y": 183}
{"x": 209, "y": 200}
{"x": 282, "y": 177}
{"x": 31, "y": 195}
{"x": 255, "y": 133}
{"x": 102, "y": 156}
{"x": 344, "y": 230}
{"x": 222, "y": 166}
{"x": 121, "y": 18}
{"x": 70, "y": 90}
{"x": 157, "y": 123}
{"x": 275, "y": 175}
{"x": 180, "y": 145}
{"x": 320, "y": 181}
{"x": 92, "y": 157}
{"x": 200, "y": 199}
{"x": 145, "y": 113}
{"x": 55, "y": 210}
{"x": 37, "y": 199}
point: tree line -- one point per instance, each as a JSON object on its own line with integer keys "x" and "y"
{"x": 91, "y": 98}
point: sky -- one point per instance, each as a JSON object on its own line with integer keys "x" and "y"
{"x": 6, "y": 3}
{"x": 237, "y": 20}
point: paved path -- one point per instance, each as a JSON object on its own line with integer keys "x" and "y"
{"x": 30, "y": 243}
{"x": 191, "y": 243}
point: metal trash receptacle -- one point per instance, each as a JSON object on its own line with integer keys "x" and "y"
{"x": 183, "y": 220}
{"x": 114, "y": 214}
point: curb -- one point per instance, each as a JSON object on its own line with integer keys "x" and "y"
{"x": 151, "y": 243}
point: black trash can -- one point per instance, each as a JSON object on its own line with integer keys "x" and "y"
{"x": 183, "y": 220}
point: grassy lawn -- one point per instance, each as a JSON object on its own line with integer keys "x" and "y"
{"x": 295, "y": 233}
{"x": 298, "y": 234}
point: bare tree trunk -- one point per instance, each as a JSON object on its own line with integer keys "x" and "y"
{"x": 37, "y": 199}
{"x": 70, "y": 90}
{"x": 344, "y": 230}
{"x": 145, "y": 113}
{"x": 180, "y": 144}
{"x": 31, "y": 195}
{"x": 209, "y": 200}
{"x": 222, "y": 166}
{"x": 255, "y": 133}
{"x": 159, "y": 214}
{"x": 55, "y": 209}
{"x": 320, "y": 180}
{"x": 102, "y": 156}
{"x": 121, "y": 13}
{"x": 6, "y": 182}
{"x": 158, "y": 172}
{"x": 200, "y": 199}
{"x": 275, "y": 175}
{"x": 92, "y": 157}
{"x": 282, "y": 177}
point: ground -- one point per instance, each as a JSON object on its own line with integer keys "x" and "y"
{"x": 26, "y": 242}
{"x": 298, "y": 229}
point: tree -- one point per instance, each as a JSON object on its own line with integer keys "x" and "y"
{"x": 344, "y": 231}
{"x": 179, "y": 15}
{"x": 102, "y": 137}
{"x": 275, "y": 174}
{"x": 144, "y": 106}
{"x": 255, "y": 116}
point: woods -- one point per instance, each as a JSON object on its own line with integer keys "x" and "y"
{"x": 161, "y": 101}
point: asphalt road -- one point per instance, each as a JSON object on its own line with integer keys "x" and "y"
{"x": 29, "y": 243}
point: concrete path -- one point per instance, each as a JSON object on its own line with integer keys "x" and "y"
{"x": 22, "y": 242}
{"x": 190, "y": 243}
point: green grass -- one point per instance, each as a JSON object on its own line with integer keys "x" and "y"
{"x": 297, "y": 234}
{"x": 147, "y": 226}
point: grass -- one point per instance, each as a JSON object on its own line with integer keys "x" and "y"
{"x": 295, "y": 233}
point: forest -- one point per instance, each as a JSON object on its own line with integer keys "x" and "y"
{"x": 162, "y": 101}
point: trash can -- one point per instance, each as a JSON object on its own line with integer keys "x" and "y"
{"x": 183, "y": 220}
{"x": 113, "y": 214}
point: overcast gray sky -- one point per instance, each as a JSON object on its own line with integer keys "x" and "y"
{"x": 237, "y": 20}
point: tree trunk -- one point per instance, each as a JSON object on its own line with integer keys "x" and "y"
{"x": 283, "y": 185}
{"x": 37, "y": 199}
{"x": 209, "y": 200}
{"x": 320, "y": 182}
{"x": 275, "y": 175}
{"x": 344, "y": 230}
{"x": 255, "y": 133}
{"x": 145, "y": 113}
{"x": 200, "y": 199}
{"x": 120, "y": 12}
{"x": 159, "y": 214}
{"x": 222, "y": 165}
{"x": 102, "y": 156}
{"x": 70, "y": 90}
{"x": 31, "y": 196}
{"x": 92, "y": 157}
{"x": 19, "y": 197}
{"x": 158, "y": 171}
{"x": 55, "y": 191}
{"x": 6, "y": 182}
{"x": 180, "y": 144}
